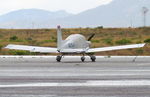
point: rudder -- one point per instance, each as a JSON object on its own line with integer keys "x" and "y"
{"x": 59, "y": 37}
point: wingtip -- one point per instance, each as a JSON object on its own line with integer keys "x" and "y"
{"x": 143, "y": 44}
{"x": 8, "y": 46}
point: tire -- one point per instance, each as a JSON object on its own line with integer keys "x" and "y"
{"x": 58, "y": 58}
{"x": 83, "y": 59}
{"x": 93, "y": 58}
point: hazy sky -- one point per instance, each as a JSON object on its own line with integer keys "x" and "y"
{"x": 72, "y": 6}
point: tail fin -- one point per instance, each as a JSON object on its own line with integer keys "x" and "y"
{"x": 59, "y": 37}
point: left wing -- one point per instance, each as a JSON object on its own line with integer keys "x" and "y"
{"x": 32, "y": 48}
{"x": 92, "y": 50}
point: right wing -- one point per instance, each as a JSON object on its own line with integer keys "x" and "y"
{"x": 32, "y": 48}
{"x": 92, "y": 50}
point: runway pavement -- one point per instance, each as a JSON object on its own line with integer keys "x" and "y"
{"x": 42, "y": 76}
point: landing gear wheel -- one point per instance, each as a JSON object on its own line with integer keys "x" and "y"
{"x": 58, "y": 58}
{"x": 83, "y": 59}
{"x": 93, "y": 58}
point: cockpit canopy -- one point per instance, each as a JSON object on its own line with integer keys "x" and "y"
{"x": 76, "y": 41}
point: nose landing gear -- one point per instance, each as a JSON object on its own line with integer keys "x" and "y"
{"x": 58, "y": 58}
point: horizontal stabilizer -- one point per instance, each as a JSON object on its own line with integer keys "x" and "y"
{"x": 72, "y": 50}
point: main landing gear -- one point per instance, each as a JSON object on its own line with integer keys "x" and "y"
{"x": 93, "y": 58}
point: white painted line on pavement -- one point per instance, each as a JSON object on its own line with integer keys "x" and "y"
{"x": 119, "y": 83}
{"x": 15, "y": 74}
{"x": 70, "y": 71}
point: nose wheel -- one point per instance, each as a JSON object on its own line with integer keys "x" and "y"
{"x": 93, "y": 58}
{"x": 58, "y": 58}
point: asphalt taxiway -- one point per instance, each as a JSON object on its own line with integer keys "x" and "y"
{"x": 42, "y": 76}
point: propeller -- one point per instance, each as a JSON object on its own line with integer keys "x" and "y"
{"x": 89, "y": 39}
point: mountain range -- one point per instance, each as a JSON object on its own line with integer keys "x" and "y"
{"x": 118, "y": 13}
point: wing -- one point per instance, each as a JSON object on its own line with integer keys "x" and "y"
{"x": 32, "y": 48}
{"x": 92, "y": 50}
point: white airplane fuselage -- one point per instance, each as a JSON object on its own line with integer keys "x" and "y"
{"x": 74, "y": 41}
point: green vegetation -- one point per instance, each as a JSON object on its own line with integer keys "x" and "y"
{"x": 108, "y": 41}
{"x": 123, "y": 42}
{"x": 100, "y": 27}
{"x": 103, "y": 37}
{"x": 18, "y": 52}
{"x": 53, "y": 39}
{"x": 95, "y": 41}
{"x": 147, "y": 40}
{"x": 13, "y": 38}
{"x": 1, "y": 46}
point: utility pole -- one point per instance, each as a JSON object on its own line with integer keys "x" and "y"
{"x": 144, "y": 12}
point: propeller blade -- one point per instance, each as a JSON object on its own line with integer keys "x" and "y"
{"x": 89, "y": 39}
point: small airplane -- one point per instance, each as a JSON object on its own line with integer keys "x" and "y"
{"x": 74, "y": 44}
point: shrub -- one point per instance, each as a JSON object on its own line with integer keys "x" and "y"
{"x": 13, "y": 38}
{"x": 147, "y": 40}
{"x": 123, "y": 42}
{"x": 100, "y": 27}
